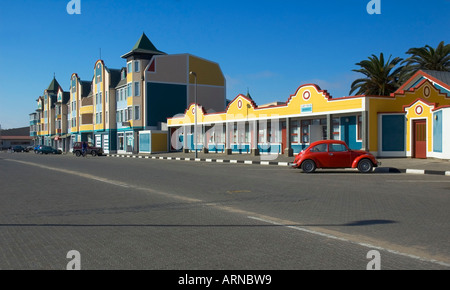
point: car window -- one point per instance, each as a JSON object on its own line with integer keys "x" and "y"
{"x": 319, "y": 148}
{"x": 337, "y": 148}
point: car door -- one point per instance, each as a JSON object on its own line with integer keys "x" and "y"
{"x": 320, "y": 155}
{"x": 339, "y": 155}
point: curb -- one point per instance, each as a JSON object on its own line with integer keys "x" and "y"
{"x": 286, "y": 164}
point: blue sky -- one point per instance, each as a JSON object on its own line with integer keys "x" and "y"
{"x": 267, "y": 47}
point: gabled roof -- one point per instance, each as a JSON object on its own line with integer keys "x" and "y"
{"x": 66, "y": 97}
{"x": 85, "y": 88}
{"x": 143, "y": 46}
{"x": 114, "y": 77}
{"x": 443, "y": 76}
{"x": 440, "y": 79}
{"x": 22, "y": 131}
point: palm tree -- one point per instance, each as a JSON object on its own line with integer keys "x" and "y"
{"x": 382, "y": 78}
{"x": 427, "y": 58}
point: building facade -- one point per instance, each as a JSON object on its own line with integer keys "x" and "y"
{"x": 48, "y": 125}
{"x": 116, "y": 105}
{"x": 412, "y": 122}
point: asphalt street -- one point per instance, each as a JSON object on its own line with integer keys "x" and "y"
{"x": 123, "y": 213}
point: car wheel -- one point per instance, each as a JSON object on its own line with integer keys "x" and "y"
{"x": 365, "y": 166}
{"x": 94, "y": 153}
{"x": 308, "y": 166}
{"x": 78, "y": 153}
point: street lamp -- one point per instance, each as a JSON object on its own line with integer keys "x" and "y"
{"x": 195, "y": 113}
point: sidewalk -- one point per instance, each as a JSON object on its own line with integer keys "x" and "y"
{"x": 394, "y": 165}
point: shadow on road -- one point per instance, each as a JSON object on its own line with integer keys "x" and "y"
{"x": 350, "y": 224}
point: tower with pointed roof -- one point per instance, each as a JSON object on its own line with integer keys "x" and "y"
{"x": 143, "y": 49}
{"x": 158, "y": 86}
{"x": 47, "y": 123}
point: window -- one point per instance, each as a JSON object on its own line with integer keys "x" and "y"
{"x": 129, "y": 90}
{"x": 129, "y": 113}
{"x": 136, "y": 89}
{"x": 136, "y": 66}
{"x": 319, "y": 148}
{"x": 305, "y": 131}
{"x": 100, "y": 97}
{"x": 337, "y": 148}
{"x": 106, "y": 96}
{"x": 335, "y": 132}
{"x": 295, "y": 128}
{"x": 137, "y": 113}
{"x": 359, "y": 127}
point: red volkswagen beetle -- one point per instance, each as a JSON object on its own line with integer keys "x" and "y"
{"x": 334, "y": 154}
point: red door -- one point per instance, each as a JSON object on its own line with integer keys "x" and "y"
{"x": 339, "y": 156}
{"x": 420, "y": 139}
{"x": 283, "y": 137}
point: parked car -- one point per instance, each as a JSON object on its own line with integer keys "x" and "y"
{"x": 333, "y": 154}
{"x": 90, "y": 149}
{"x": 43, "y": 149}
{"x": 19, "y": 148}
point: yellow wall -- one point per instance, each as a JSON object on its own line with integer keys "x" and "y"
{"x": 242, "y": 108}
{"x": 397, "y": 104}
{"x": 86, "y": 127}
{"x": 87, "y": 110}
{"x": 159, "y": 142}
{"x": 411, "y": 115}
{"x": 208, "y": 73}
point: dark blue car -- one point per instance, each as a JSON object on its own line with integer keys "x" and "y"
{"x": 43, "y": 149}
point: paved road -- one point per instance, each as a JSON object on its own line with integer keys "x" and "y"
{"x": 123, "y": 213}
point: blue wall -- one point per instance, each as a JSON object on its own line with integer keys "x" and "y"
{"x": 393, "y": 128}
{"x": 437, "y": 132}
{"x": 164, "y": 101}
{"x": 144, "y": 142}
{"x": 349, "y": 132}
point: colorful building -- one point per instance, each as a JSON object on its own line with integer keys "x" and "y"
{"x": 80, "y": 110}
{"x": 61, "y": 137}
{"x": 116, "y": 105}
{"x": 47, "y": 122}
{"x": 409, "y": 123}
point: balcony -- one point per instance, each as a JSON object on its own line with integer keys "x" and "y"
{"x": 87, "y": 106}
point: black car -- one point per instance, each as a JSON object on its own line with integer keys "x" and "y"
{"x": 19, "y": 148}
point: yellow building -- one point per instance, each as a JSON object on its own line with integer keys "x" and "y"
{"x": 410, "y": 122}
